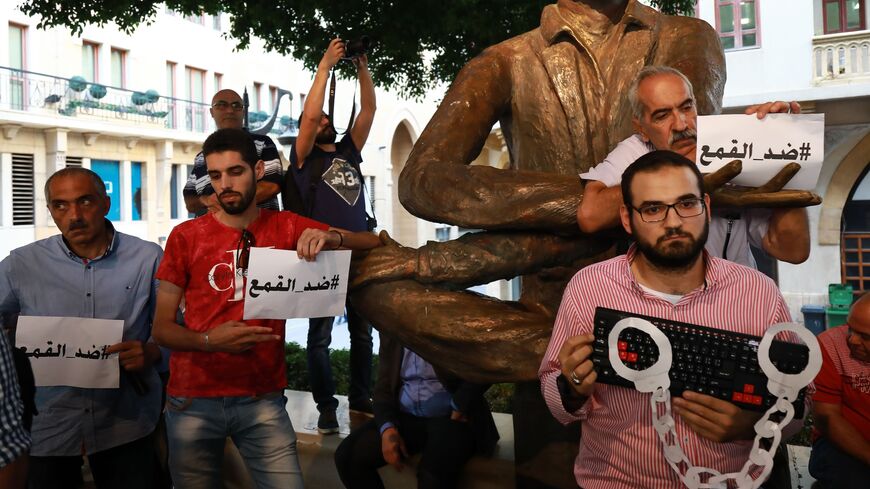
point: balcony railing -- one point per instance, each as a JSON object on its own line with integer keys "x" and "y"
{"x": 75, "y": 97}
{"x": 841, "y": 58}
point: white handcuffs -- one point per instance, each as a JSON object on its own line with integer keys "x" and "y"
{"x": 655, "y": 380}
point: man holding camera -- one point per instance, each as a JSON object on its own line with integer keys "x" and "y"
{"x": 328, "y": 178}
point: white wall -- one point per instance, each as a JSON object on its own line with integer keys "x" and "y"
{"x": 782, "y": 61}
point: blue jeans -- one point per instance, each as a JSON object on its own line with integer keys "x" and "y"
{"x": 320, "y": 370}
{"x": 197, "y": 428}
{"x": 836, "y": 469}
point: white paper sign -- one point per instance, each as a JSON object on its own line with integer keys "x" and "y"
{"x": 281, "y": 286}
{"x": 764, "y": 146}
{"x": 71, "y": 351}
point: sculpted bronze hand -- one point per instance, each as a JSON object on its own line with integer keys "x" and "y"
{"x": 769, "y": 195}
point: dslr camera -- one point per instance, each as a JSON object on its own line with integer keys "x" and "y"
{"x": 356, "y": 48}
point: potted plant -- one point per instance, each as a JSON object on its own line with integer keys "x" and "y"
{"x": 77, "y": 83}
{"x": 97, "y": 91}
{"x": 139, "y": 98}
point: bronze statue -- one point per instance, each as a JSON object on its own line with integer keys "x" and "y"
{"x": 558, "y": 93}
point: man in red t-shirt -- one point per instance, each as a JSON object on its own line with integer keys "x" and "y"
{"x": 227, "y": 376}
{"x": 841, "y": 450}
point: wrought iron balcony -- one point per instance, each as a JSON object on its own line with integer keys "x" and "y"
{"x": 841, "y": 58}
{"x": 50, "y": 95}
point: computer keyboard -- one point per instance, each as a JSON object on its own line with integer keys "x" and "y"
{"x": 710, "y": 361}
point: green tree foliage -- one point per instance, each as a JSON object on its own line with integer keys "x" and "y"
{"x": 416, "y": 43}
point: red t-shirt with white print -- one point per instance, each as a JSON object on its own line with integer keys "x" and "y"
{"x": 844, "y": 380}
{"x": 200, "y": 258}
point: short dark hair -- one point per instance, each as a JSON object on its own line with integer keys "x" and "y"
{"x": 655, "y": 160}
{"x": 231, "y": 139}
{"x": 98, "y": 182}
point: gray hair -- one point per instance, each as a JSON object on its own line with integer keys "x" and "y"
{"x": 99, "y": 185}
{"x": 647, "y": 72}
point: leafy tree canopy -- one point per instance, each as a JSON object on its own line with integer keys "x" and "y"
{"x": 415, "y": 43}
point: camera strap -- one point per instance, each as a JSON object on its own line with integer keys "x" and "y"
{"x": 332, "y": 104}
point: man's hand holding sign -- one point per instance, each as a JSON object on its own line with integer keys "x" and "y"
{"x": 764, "y": 155}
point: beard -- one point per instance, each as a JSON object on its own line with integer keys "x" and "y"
{"x": 326, "y": 136}
{"x": 672, "y": 255}
{"x": 245, "y": 199}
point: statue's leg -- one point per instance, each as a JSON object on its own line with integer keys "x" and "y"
{"x": 482, "y": 339}
{"x": 475, "y": 337}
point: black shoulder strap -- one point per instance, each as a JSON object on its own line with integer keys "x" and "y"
{"x": 290, "y": 196}
{"x": 316, "y": 176}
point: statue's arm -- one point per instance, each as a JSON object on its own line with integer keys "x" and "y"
{"x": 478, "y": 258}
{"x": 439, "y": 185}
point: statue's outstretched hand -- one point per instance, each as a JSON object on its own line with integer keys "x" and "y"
{"x": 768, "y": 195}
{"x": 392, "y": 261}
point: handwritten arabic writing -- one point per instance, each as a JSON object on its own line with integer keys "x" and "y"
{"x": 301, "y": 289}
{"x": 791, "y": 155}
{"x": 290, "y": 286}
{"x": 71, "y": 351}
{"x": 97, "y": 353}
{"x": 764, "y": 146}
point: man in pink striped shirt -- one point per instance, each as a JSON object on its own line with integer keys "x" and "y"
{"x": 666, "y": 274}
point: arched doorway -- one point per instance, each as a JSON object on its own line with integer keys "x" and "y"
{"x": 855, "y": 229}
{"x": 405, "y": 225}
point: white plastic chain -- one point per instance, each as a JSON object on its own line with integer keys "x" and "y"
{"x": 655, "y": 380}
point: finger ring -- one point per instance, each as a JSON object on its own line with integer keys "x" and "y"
{"x": 575, "y": 379}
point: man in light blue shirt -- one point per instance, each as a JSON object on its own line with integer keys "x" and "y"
{"x": 417, "y": 410}
{"x": 90, "y": 271}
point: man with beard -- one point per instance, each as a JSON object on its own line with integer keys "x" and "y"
{"x": 90, "y": 270}
{"x": 227, "y": 376}
{"x": 666, "y": 274}
{"x": 664, "y": 117}
{"x": 841, "y": 407}
{"x": 227, "y": 111}
{"x": 327, "y": 177}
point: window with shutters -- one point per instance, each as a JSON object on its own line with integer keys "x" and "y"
{"x": 855, "y": 261}
{"x": 22, "y": 189}
{"x": 74, "y": 161}
{"x": 738, "y": 24}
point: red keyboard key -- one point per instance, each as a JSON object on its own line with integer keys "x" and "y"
{"x": 748, "y": 388}
{"x": 623, "y": 355}
{"x": 622, "y": 345}
{"x": 632, "y": 357}
{"x": 737, "y": 397}
{"x": 756, "y": 400}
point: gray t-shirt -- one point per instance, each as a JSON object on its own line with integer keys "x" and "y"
{"x": 749, "y": 227}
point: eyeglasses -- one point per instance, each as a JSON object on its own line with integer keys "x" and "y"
{"x": 243, "y": 250}
{"x": 659, "y": 212}
{"x": 224, "y": 105}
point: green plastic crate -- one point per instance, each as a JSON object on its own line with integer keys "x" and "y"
{"x": 836, "y": 317}
{"x": 840, "y": 296}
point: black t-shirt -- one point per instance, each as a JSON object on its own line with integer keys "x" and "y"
{"x": 339, "y": 199}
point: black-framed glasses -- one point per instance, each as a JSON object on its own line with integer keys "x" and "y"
{"x": 224, "y": 105}
{"x": 659, "y": 212}
{"x": 243, "y": 250}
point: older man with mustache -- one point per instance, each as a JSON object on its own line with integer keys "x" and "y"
{"x": 664, "y": 116}
{"x": 90, "y": 270}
